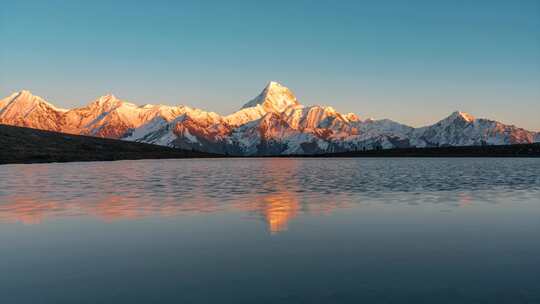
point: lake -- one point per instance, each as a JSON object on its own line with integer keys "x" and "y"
{"x": 271, "y": 230}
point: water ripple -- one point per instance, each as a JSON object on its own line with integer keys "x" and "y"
{"x": 274, "y": 189}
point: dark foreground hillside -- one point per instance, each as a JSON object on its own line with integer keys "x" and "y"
{"x": 25, "y": 145}
{"x": 521, "y": 150}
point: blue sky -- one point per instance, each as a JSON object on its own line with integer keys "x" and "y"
{"x": 411, "y": 61}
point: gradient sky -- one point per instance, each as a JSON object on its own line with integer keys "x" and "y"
{"x": 410, "y": 61}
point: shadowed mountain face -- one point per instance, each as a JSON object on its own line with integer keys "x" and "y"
{"x": 272, "y": 123}
{"x": 25, "y": 145}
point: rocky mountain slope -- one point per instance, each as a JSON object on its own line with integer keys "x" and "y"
{"x": 272, "y": 123}
{"x": 26, "y": 145}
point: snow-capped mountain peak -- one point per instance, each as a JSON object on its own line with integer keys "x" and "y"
{"x": 108, "y": 100}
{"x": 274, "y": 98}
{"x": 5, "y": 101}
{"x": 108, "y": 96}
{"x": 352, "y": 117}
{"x": 272, "y": 123}
{"x": 24, "y": 94}
{"x": 461, "y": 116}
{"x": 26, "y": 100}
{"x": 27, "y": 110}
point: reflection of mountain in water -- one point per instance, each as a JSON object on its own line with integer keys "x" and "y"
{"x": 25, "y": 211}
{"x": 276, "y": 209}
{"x": 110, "y": 208}
{"x": 278, "y": 212}
{"x": 274, "y": 190}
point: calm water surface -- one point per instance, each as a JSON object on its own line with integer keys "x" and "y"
{"x": 271, "y": 231}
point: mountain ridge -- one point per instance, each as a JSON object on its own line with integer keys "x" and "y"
{"x": 272, "y": 123}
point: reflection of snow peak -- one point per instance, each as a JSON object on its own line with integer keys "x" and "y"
{"x": 276, "y": 209}
{"x": 279, "y": 211}
{"x": 272, "y": 123}
{"x": 277, "y": 201}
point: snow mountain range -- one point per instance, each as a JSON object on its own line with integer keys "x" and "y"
{"x": 273, "y": 123}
